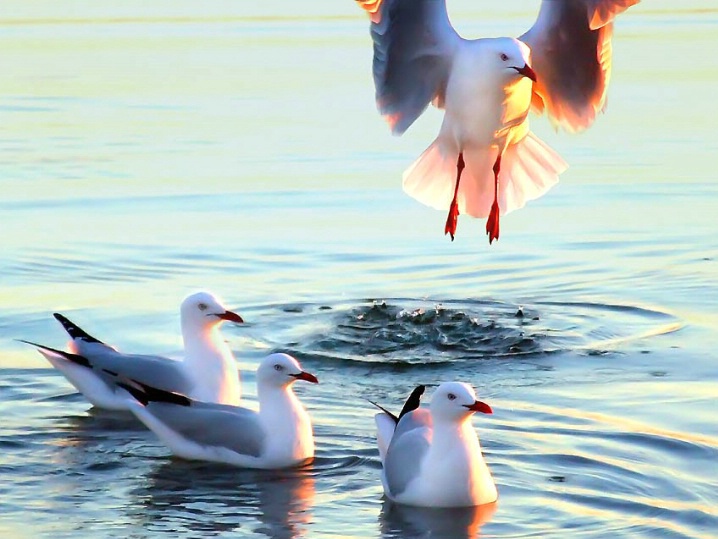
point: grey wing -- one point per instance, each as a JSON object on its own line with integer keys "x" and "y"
{"x": 155, "y": 371}
{"x": 216, "y": 425}
{"x": 407, "y": 449}
{"x": 571, "y": 54}
{"x": 413, "y": 50}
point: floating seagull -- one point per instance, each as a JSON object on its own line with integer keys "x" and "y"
{"x": 208, "y": 371}
{"x": 432, "y": 458}
{"x": 485, "y": 161}
{"x": 278, "y": 436}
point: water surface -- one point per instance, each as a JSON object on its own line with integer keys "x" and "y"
{"x": 146, "y": 151}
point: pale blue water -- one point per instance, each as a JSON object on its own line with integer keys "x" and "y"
{"x": 147, "y": 152}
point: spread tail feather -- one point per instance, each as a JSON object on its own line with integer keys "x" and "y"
{"x": 528, "y": 170}
{"x": 430, "y": 180}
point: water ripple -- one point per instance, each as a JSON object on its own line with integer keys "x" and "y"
{"x": 413, "y": 331}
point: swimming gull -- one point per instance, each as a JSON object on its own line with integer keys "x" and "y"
{"x": 278, "y": 436}
{"x": 432, "y": 457}
{"x": 207, "y": 372}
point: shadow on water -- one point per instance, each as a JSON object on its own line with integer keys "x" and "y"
{"x": 399, "y": 521}
{"x": 411, "y": 331}
{"x": 204, "y": 500}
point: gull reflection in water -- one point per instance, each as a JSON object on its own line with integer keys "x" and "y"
{"x": 406, "y": 522}
{"x": 183, "y": 496}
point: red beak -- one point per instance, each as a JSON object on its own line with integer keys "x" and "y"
{"x": 479, "y": 406}
{"x": 306, "y": 376}
{"x": 526, "y": 71}
{"x": 229, "y": 316}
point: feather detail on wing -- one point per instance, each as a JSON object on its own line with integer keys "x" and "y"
{"x": 414, "y": 44}
{"x": 602, "y": 12}
{"x": 372, "y": 8}
{"x": 571, "y": 55}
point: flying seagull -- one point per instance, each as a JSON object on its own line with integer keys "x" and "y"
{"x": 485, "y": 162}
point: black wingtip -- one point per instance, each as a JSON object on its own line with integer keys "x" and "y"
{"x": 387, "y": 412}
{"x": 75, "y": 358}
{"x": 154, "y": 394}
{"x": 136, "y": 392}
{"x": 75, "y": 331}
{"x": 411, "y": 404}
{"x": 414, "y": 400}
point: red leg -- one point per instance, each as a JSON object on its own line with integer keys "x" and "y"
{"x": 453, "y": 216}
{"x": 492, "y": 223}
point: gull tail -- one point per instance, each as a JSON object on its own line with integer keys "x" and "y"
{"x": 431, "y": 178}
{"x": 529, "y": 169}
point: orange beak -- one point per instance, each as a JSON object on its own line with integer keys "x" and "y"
{"x": 229, "y": 316}
{"x": 479, "y": 406}
{"x": 526, "y": 71}
{"x": 306, "y": 376}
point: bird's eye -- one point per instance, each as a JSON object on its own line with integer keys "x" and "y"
{"x": 278, "y": 367}
{"x": 452, "y": 397}
{"x": 504, "y": 57}
{"x": 202, "y": 306}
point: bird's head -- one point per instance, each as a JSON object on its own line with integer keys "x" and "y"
{"x": 203, "y": 310}
{"x": 281, "y": 370}
{"x": 512, "y": 59}
{"x": 456, "y": 401}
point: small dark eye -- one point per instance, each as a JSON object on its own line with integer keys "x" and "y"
{"x": 202, "y": 306}
{"x": 278, "y": 367}
{"x": 504, "y": 57}
{"x": 452, "y": 397}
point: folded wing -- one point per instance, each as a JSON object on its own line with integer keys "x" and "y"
{"x": 212, "y": 425}
{"x": 155, "y": 371}
{"x": 407, "y": 450}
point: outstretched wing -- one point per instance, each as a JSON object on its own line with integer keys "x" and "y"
{"x": 413, "y": 50}
{"x": 571, "y": 54}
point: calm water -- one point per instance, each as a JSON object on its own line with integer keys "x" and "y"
{"x": 149, "y": 151}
